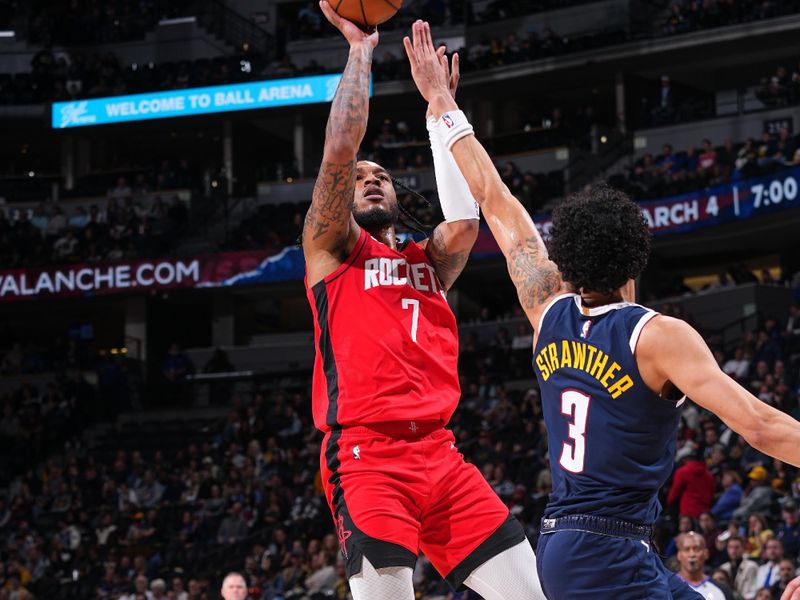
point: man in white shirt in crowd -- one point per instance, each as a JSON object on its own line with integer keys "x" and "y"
{"x": 769, "y": 572}
{"x": 692, "y": 556}
{"x": 737, "y": 366}
{"x": 741, "y": 569}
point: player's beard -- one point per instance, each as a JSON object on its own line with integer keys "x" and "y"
{"x": 376, "y": 218}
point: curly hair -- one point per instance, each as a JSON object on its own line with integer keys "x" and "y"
{"x": 599, "y": 239}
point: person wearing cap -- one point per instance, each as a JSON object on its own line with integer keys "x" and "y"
{"x": 789, "y": 531}
{"x": 759, "y": 497}
{"x": 740, "y": 568}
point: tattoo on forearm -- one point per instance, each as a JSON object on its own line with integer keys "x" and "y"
{"x": 332, "y": 200}
{"x": 534, "y": 275}
{"x": 448, "y": 265}
{"x": 348, "y": 118}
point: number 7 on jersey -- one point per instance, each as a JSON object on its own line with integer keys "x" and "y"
{"x": 414, "y": 304}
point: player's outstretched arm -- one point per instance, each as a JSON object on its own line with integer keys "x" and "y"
{"x": 452, "y": 240}
{"x": 535, "y": 276}
{"x": 670, "y": 350}
{"x": 330, "y": 232}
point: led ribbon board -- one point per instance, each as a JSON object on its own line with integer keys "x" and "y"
{"x": 196, "y": 101}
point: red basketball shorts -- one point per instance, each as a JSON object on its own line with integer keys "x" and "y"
{"x": 397, "y": 488}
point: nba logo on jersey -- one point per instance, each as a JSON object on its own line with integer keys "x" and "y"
{"x": 356, "y": 453}
{"x": 585, "y": 329}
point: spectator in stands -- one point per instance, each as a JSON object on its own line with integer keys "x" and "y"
{"x": 738, "y": 366}
{"x": 692, "y": 486}
{"x": 757, "y": 535}
{"x": 707, "y": 160}
{"x": 739, "y": 568}
{"x": 788, "y": 532}
{"x": 759, "y": 496}
{"x": 768, "y": 153}
{"x": 234, "y": 587}
{"x": 233, "y": 528}
{"x": 158, "y": 589}
{"x": 746, "y": 159}
{"x": 786, "y": 573}
{"x": 769, "y": 571}
{"x": 663, "y": 111}
{"x": 731, "y": 497}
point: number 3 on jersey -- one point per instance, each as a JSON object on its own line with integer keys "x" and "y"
{"x": 574, "y": 404}
{"x": 414, "y": 305}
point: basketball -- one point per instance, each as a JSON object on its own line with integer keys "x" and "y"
{"x": 367, "y": 13}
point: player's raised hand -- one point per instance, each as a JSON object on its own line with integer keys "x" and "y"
{"x": 429, "y": 68}
{"x": 451, "y": 68}
{"x": 792, "y": 591}
{"x": 454, "y": 74}
{"x": 351, "y": 32}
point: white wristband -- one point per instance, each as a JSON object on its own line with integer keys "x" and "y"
{"x": 456, "y": 200}
{"x": 452, "y": 126}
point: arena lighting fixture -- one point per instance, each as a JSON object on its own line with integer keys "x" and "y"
{"x": 7, "y": 33}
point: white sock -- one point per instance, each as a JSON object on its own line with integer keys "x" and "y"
{"x": 511, "y": 575}
{"x": 390, "y": 583}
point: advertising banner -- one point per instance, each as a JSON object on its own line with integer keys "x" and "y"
{"x": 215, "y": 270}
{"x": 727, "y": 203}
{"x": 195, "y": 101}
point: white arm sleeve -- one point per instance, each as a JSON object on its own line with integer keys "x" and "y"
{"x": 457, "y": 201}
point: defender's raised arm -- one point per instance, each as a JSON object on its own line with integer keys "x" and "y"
{"x": 535, "y": 276}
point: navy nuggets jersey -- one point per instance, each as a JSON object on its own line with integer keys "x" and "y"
{"x": 611, "y": 439}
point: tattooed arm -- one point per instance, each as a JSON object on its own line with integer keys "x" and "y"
{"x": 449, "y": 247}
{"x": 535, "y": 276}
{"x": 330, "y": 232}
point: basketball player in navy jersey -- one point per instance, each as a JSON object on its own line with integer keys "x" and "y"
{"x": 385, "y": 378}
{"x": 608, "y": 370}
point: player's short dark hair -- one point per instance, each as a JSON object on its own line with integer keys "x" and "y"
{"x": 599, "y": 239}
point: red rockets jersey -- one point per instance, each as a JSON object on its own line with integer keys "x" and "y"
{"x": 386, "y": 340}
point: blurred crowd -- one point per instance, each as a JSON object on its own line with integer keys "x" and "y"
{"x": 691, "y": 15}
{"x": 120, "y": 227}
{"x": 675, "y": 172}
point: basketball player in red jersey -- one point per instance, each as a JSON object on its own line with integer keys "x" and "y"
{"x": 385, "y": 374}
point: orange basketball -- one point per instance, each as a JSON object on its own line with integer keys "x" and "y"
{"x": 366, "y": 13}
